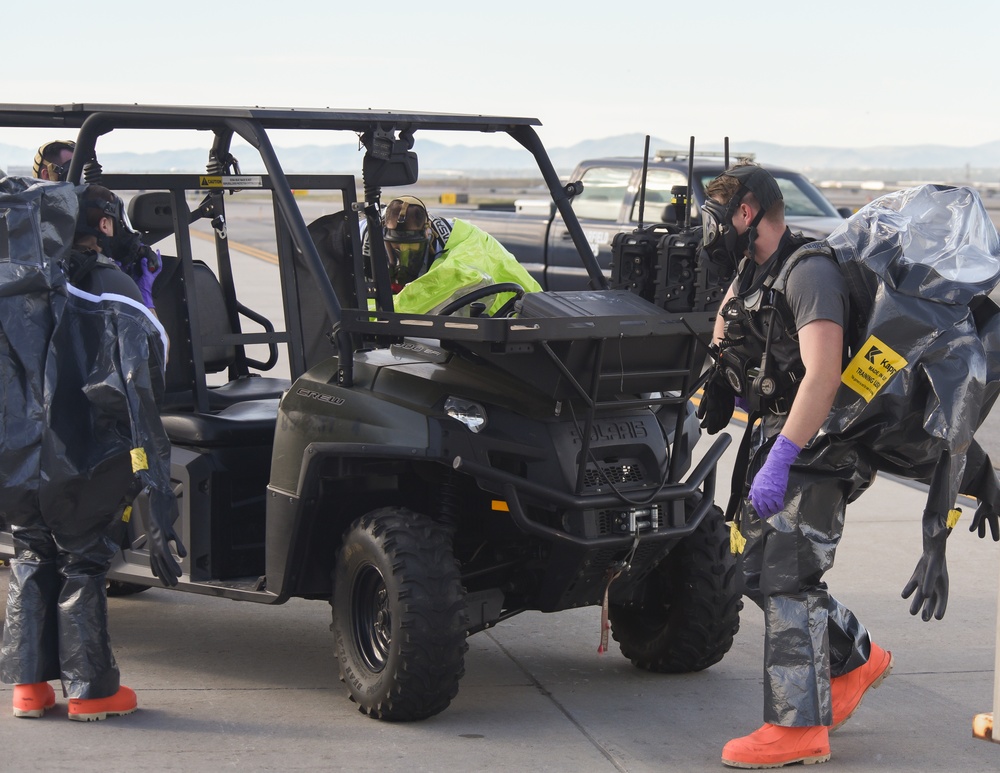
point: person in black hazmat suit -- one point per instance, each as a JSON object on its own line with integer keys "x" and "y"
{"x": 819, "y": 658}
{"x": 780, "y": 351}
{"x": 102, "y": 444}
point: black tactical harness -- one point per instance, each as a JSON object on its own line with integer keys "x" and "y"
{"x": 759, "y": 354}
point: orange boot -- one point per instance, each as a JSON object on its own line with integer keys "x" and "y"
{"x": 847, "y": 690}
{"x": 32, "y": 700}
{"x": 96, "y": 709}
{"x": 774, "y": 746}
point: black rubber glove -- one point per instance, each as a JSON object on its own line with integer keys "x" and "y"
{"x": 980, "y": 481}
{"x": 987, "y": 512}
{"x": 159, "y": 534}
{"x": 929, "y": 582}
{"x": 717, "y": 403}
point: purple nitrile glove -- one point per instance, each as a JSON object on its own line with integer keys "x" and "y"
{"x": 741, "y": 403}
{"x": 767, "y": 492}
{"x": 146, "y": 278}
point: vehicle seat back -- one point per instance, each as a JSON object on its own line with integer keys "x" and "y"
{"x": 172, "y": 307}
{"x": 332, "y": 238}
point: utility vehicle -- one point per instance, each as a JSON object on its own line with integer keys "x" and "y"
{"x": 427, "y": 475}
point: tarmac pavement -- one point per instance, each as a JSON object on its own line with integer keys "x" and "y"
{"x": 226, "y": 685}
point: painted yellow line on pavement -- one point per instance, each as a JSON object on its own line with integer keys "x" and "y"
{"x": 246, "y": 249}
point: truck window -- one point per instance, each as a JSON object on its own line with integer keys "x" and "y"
{"x": 802, "y": 199}
{"x": 658, "y": 185}
{"x": 603, "y": 193}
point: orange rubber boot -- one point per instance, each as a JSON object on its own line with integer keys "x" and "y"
{"x": 846, "y": 691}
{"x": 773, "y": 746}
{"x": 32, "y": 700}
{"x": 96, "y": 709}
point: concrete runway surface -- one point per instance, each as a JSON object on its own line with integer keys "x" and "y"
{"x": 226, "y": 685}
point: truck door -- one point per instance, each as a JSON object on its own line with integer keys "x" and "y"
{"x": 600, "y": 209}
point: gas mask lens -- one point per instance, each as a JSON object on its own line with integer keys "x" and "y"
{"x": 713, "y": 217}
{"x": 406, "y": 259}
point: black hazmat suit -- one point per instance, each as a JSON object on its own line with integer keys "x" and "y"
{"x": 82, "y": 369}
{"x": 926, "y": 361}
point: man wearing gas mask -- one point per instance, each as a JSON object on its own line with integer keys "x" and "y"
{"x": 780, "y": 352}
{"x": 110, "y": 238}
{"x": 413, "y": 239}
{"x": 52, "y": 160}
{"x": 433, "y": 261}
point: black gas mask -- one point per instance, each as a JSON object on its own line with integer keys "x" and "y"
{"x": 407, "y": 240}
{"x": 723, "y": 245}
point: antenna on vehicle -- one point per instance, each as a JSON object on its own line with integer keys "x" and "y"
{"x": 725, "y": 145}
{"x": 642, "y": 184}
{"x": 687, "y": 203}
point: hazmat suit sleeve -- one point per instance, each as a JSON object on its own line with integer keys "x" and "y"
{"x": 143, "y": 346}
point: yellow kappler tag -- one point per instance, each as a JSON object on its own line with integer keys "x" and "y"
{"x": 736, "y": 540}
{"x": 953, "y": 516}
{"x": 871, "y": 368}
{"x": 139, "y": 461}
{"x": 127, "y": 514}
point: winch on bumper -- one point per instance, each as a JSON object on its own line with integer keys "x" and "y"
{"x": 599, "y": 533}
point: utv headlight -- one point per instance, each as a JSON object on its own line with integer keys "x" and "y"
{"x": 471, "y": 414}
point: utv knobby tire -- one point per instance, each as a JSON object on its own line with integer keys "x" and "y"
{"x": 692, "y": 607}
{"x": 399, "y": 618}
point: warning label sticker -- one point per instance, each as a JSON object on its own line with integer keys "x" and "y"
{"x": 230, "y": 181}
{"x": 871, "y": 368}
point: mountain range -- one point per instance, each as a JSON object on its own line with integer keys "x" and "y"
{"x": 980, "y": 162}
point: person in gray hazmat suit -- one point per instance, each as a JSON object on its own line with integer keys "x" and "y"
{"x": 81, "y": 368}
{"x": 844, "y": 367}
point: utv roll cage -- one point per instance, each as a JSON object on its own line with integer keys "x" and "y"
{"x": 642, "y": 358}
{"x": 386, "y": 136}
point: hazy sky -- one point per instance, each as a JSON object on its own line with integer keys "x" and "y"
{"x": 842, "y": 73}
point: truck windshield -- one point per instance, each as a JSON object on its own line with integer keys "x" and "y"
{"x": 659, "y": 183}
{"x": 603, "y": 193}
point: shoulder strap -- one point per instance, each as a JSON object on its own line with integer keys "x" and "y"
{"x": 807, "y": 250}
{"x": 79, "y": 264}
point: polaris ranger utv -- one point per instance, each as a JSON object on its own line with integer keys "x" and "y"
{"x": 427, "y": 475}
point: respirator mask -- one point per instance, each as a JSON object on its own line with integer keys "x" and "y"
{"x": 406, "y": 244}
{"x": 723, "y": 245}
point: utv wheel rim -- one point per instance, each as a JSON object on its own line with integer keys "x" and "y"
{"x": 372, "y": 620}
